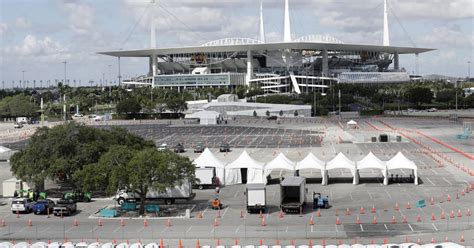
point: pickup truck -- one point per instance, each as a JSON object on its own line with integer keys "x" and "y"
{"x": 45, "y": 206}
{"x": 65, "y": 207}
{"x": 24, "y": 205}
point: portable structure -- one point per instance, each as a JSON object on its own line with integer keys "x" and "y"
{"x": 399, "y": 161}
{"x": 281, "y": 162}
{"x": 311, "y": 162}
{"x": 207, "y": 159}
{"x": 342, "y": 162}
{"x": 370, "y": 161}
{"x": 244, "y": 161}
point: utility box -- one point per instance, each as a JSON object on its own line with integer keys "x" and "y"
{"x": 383, "y": 138}
{"x": 374, "y": 139}
{"x": 256, "y": 197}
{"x": 399, "y": 138}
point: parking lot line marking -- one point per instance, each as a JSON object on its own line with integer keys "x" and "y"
{"x": 44, "y": 229}
{"x": 430, "y": 181}
{"x": 447, "y": 181}
{"x": 164, "y": 229}
{"x": 70, "y": 228}
{"x": 361, "y": 228}
{"x": 203, "y": 212}
{"x": 237, "y": 229}
{"x": 236, "y": 193}
{"x": 370, "y": 195}
{"x": 434, "y": 226}
{"x": 141, "y": 229}
{"x": 411, "y": 228}
{"x": 212, "y": 230}
{"x": 337, "y": 230}
{"x": 385, "y": 227}
{"x": 22, "y": 230}
{"x": 189, "y": 229}
{"x": 434, "y": 172}
{"x": 388, "y": 194}
{"x": 116, "y": 229}
{"x": 95, "y": 228}
{"x": 286, "y": 229}
{"x": 225, "y": 211}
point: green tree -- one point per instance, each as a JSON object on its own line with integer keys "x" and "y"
{"x": 18, "y": 105}
{"x": 419, "y": 95}
{"x": 176, "y": 105}
{"x": 128, "y": 106}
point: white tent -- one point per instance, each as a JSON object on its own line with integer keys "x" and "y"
{"x": 399, "y": 161}
{"x": 254, "y": 170}
{"x": 313, "y": 162}
{"x": 281, "y": 162}
{"x": 370, "y": 161}
{"x": 342, "y": 162}
{"x": 351, "y": 124}
{"x": 205, "y": 117}
{"x": 5, "y": 153}
{"x": 208, "y": 159}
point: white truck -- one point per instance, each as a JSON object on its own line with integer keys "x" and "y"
{"x": 169, "y": 196}
{"x": 206, "y": 177}
{"x": 256, "y": 197}
{"x": 293, "y": 194}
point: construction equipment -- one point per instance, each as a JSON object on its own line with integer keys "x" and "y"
{"x": 320, "y": 201}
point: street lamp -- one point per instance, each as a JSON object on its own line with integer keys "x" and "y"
{"x": 65, "y": 63}
{"x": 468, "y": 71}
{"x": 23, "y": 77}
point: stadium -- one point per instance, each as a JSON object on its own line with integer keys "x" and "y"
{"x": 291, "y": 66}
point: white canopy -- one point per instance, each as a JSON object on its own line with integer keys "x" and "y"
{"x": 208, "y": 159}
{"x": 399, "y": 161}
{"x": 343, "y": 162}
{"x": 281, "y": 162}
{"x": 370, "y": 161}
{"x": 313, "y": 162}
{"x": 351, "y": 122}
{"x": 254, "y": 170}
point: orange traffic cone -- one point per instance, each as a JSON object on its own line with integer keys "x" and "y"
{"x": 218, "y": 242}
{"x": 358, "y": 220}
{"x": 3, "y": 223}
{"x": 432, "y": 240}
{"x": 310, "y": 243}
{"x": 99, "y": 222}
{"x": 75, "y": 223}
{"x": 459, "y": 213}
{"x": 263, "y": 222}
{"x": 200, "y": 214}
{"x": 433, "y": 217}
{"x": 393, "y": 220}
{"x": 442, "y": 215}
{"x": 373, "y": 209}
{"x": 418, "y": 218}
{"x": 404, "y": 219}
{"x": 145, "y": 222}
{"x": 168, "y": 223}
{"x": 30, "y": 223}
{"x": 311, "y": 221}
{"x": 198, "y": 244}
{"x": 452, "y": 214}
{"x": 281, "y": 214}
{"x": 236, "y": 242}
{"x": 348, "y": 211}
{"x": 397, "y": 207}
{"x": 468, "y": 212}
{"x": 318, "y": 213}
{"x": 180, "y": 245}
{"x": 261, "y": 215}
{"x": 241, "y": 214}
{"x": 361, "y": 210}
{"x": 122, "y": 223}
{"x": 408, "y": 205}
{"x": 216, "y": 223}
{"x": 462, "y": 238}
{"x": 449, "y": 198}
{"x": 375, "y": 220}
{"x": 432, "y": 201}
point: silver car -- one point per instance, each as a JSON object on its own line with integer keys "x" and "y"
{"x": 24, "y": 205}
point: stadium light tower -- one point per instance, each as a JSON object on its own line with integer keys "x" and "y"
{"x": 386, "y": 35}
{"x": 152, "y": 27}
{"x": 65, "y": 75}
{"x": 262, "y": 28}
{"x": 468, "y": 70}
{"x": 287, "y": 24}
{"x": 23, "y": 77}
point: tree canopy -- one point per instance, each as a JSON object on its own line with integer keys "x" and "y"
{"x": 60, "y": 152}
{"x": 18, "y": 105}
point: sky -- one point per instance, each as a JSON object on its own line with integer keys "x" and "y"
{"x": 37, "y": 36}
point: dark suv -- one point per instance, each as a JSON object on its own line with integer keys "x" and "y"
{"x": 224, "y": 147}
{"x": 179, "y": 148}
{"x": 199, "y": 148}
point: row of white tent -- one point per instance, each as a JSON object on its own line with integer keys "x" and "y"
{"x": 257, "y": 171}
{"x": 155, "y": 245}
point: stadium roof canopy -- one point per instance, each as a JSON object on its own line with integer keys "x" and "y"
{"x": 266, "y": 46}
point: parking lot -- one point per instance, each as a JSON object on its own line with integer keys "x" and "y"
{"x": 439, "y": 181}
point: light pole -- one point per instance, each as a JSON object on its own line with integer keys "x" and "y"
{"x": 456, "y": 92}
{"x": 65, "y": 77}
{"x": 468, "y": 71}
{"x": 23, "y": 77}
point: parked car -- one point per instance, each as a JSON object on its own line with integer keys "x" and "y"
{"x": 224, "y": 147}
{"x": 199, "y": 148}
{"x": 45, "y": 206}
{"x": 273, "y": 117}
{"x": 24, "y": 205}
{"x": 432, "y": 110}
{"x": 78, "y": 115}
{"x": 163, "y": 147}
{"x": 179, "y": 148}
{"x": 18, "y": 125}
{"x": 65, "y": 207}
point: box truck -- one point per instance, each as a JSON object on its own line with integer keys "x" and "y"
{"x": 292, "y": 194}
{"x": 206, "y": 177}
{"x": 169, "y": 196}
{"x": 256, "y": 197}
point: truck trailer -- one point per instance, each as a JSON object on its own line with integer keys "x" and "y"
{"x": 292, "y": 194}
{"x": 256, "y": 197}
{"x": 169, "y": 196}
{"x": 206, "y": 177}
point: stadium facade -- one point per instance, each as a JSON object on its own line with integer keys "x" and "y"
{"x": 297, "y": 65}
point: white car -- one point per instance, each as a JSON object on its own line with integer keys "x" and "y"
{"x": 78, "y": 115}
{"x": 22, "y": 205}
{"x": 98, "y": 118}
{"x": 18, "y": 125}
{"x": 163, "y": 147}
{"x": 432, "y": 110}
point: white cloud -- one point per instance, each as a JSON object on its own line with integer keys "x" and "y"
{"x": 34, "y": 49}
{"x": 3, "y": 28}
{"x": 448, "y": 37}
{"x": 81, "y": 16}
{"x": 22, "y": 22}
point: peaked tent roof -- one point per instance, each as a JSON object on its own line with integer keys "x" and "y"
{"x": 399, "y": 161}
{"x": 371, "y": 161}
{"x": 352, "y": 122}
{"x": 245, "y": 161}
{"x": 4, "y": 149}
{"x": 280, "y": 162}
{"x": 310, "y": 162}
{"x": 340, "y": 161}
{"x": 207, "y": 159}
